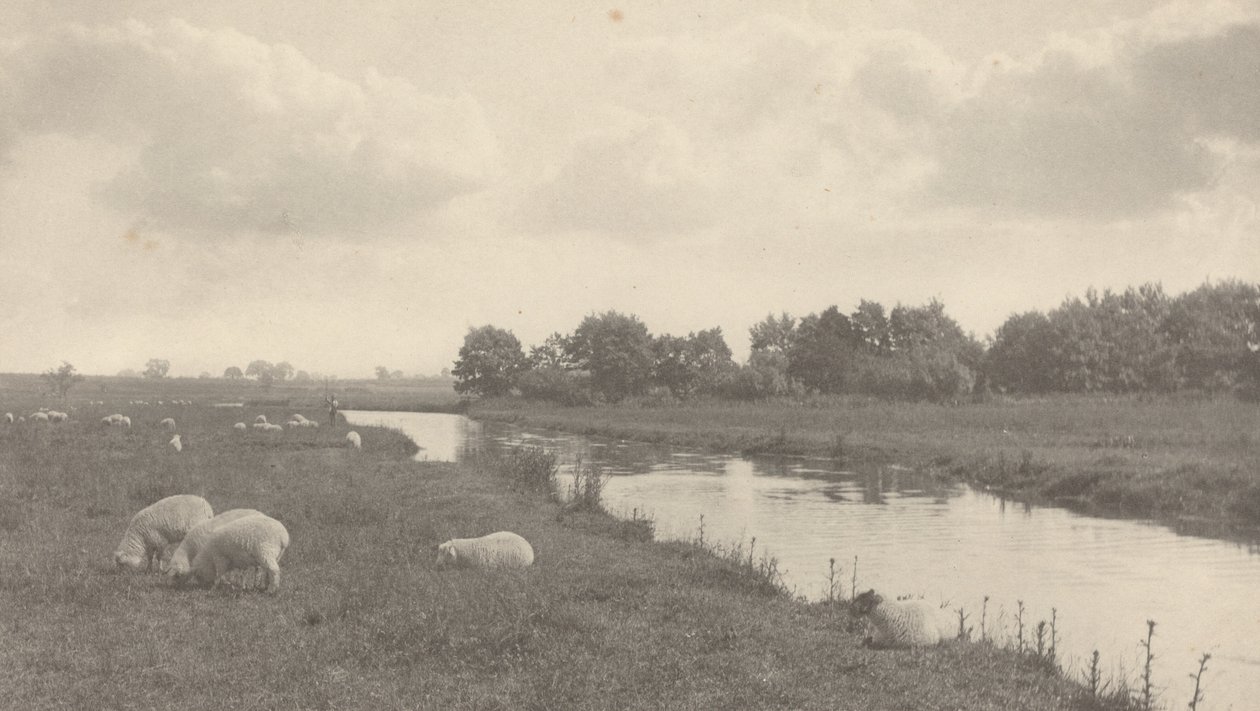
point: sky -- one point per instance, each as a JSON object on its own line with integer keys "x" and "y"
{"x": 344, "y": 186}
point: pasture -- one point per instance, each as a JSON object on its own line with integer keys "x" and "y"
{"x": 605, "y": 617}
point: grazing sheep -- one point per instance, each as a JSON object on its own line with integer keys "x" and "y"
{"x": 168, "y": 423}
{"x": 114, "y": 419}
{"x": 176, "y": 444}
{"x": 57, "y": 417}
{"x": 8, "y": 418}
{"x": 39, "y": 417}
{"x": 297, "y": 417}
{"x": 244, "y": 543}
{"x": 240, "y": 426}
{"x": 260, "y": 420}
{"x": 900, "y": 623}
{"x": 180, "y": 564}
{"x": 125, "y": 421}
{"x": 354, "y": 439}
{"x": 158, "y": 525}
{"x": 503, "y": 549}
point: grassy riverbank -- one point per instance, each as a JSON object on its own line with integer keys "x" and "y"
{"x": 1191, "y": 462}
{"x": 605, "y": 618}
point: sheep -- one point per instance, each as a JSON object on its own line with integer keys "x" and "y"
{"x": 8, "y": 418}
{"x": 21, "y": 420}
{"x": 900, "y": 623}
{"x": 297, "y": 417}
{"x": 503, "y": 549}
{"x": 158, "y": 525}
{"x": 168, "y": 423}
{"x": 260, "y": 420}
{"x": 57, "y": 417}
{"x": 114, "y": 419}
{"x": 354, "y": 439}
{"x": 125, "y": 421}
{"x": 39, "y": 417}
{"x": 240, "y": 426}
{"x": 180, "y": 564}
{"x": 268, "y": 427}
{"x": 176, "y": 444}
{"x": 244, "y": 543}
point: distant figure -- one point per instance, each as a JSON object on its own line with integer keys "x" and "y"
{"x": 331, "y": 400}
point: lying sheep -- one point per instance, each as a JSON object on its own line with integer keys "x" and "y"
{"x": 158, "y": 525}
{"x": 180, "y": 564}
{"x": 39, "y": 417}
{"x": 176, "y": 444}
{"x": 244, "y": 543}
{"x": 354, "y": 439}
{"x": 240, "y": 426}
{"x": 168, "y": 423}
{"x": 503, "y": 549}
{"x": 900, "y": 623}
{"x": 297, "y": 417}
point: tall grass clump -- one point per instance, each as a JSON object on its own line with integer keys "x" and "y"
{"x": 586, "y": 492}
{"x": 527, "y": 468}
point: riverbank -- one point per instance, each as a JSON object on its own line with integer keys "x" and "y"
{"x": 1193, "y": 463}
{"x": 605, "y": 618}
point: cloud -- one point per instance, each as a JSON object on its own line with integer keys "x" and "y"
{"x": 232, "y": 134}
{"x": 637, "y": 178}
{"x": 1116, "y": 129}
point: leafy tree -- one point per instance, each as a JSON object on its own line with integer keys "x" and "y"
{"x": 872, "y": 327}
{"x": 1021, "y": 356}
{"x": 233, "y": 373}
{"x": 382, "y": 373}
{"x": 823, "y": 350}
{"x": 617, "y": 351}
{"x": 302, "y": 377}
{"x": 693, "y": 364}
{"x": 156, "y": 368}
{"x": 205, "y": 375}
{"x": 489, "y": 361}
{"x": 283, "y": 371}
{"x": 261, "y": 370}
{"x": 1211, "y": 330}
{"x": 61, "y": 379}
{"x": 396, "y": 375}
{"x": 773, "y": 334}
{"x": 553, "y": 353}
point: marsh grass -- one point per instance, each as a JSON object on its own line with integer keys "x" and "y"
{"x": 605, "y": 618}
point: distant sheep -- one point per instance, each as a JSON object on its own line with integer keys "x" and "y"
{"x": 244, "y": 543}
{"x": 124, "y": 422}
{"x": 39, "y": 417}
{"x": 177, "y": 444}
{"x": 180, "y": 564}
{"x": 157, "y": 526}
{"x": 503, "y": 549}
{"x": 8, "y": 418}
{"x": 57, "y": 417}
{"x": 168, "y": 423}
{"x": 240, "y": 426}
{"x": 260, "y": 420}
{"x": 297, "y": 417}
{"x": 354, "y": 439}
{"x": 901, "y": 623}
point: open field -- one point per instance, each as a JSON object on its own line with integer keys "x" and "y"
{"x": 604, "y": 619}
{"x": 1194, "y": 462}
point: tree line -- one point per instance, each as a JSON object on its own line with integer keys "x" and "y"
{"x": 1138, "y": 340}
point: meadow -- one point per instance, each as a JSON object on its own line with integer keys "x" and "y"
{"x": 1193, "y": 462}
{"x": 606, "y": 618}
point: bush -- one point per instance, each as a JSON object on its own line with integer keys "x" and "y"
{"x": 563, "y": 387}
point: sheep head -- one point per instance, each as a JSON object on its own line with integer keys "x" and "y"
{"x": 864, "y": 603}
{"x": 447, "y": 554}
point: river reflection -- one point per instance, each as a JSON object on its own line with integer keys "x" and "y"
{"x": 914, "y": 535}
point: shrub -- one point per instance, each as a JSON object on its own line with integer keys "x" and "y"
{"x": 563, "y": 387}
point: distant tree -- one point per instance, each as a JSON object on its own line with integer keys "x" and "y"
{"x": 396, "y": 375}
{"x": 382, "y": 373}
{"x": 691, "y": 365}
{"x": 446, "y": 372}
{"x": 261, "y": 370}
{"x": 489, "y": 361}
{"x": 773, "y": 334}
{"x": 205, "y": 375}
{"x": 283, "y": 371}
{"x": 156, "y": 368}
{"x": 233, "y": 373}
{"x": 302, "y": 377}
{"x": 552, "y": 353}
{"x": 1211, "y": 330}
{"x": 617, "y": 351}
{"x": 823, "y": 350}
{"x": 128, "y": 373}
{"x": 61, "y": 379}
{"x": 1021, "y": 357}
{"x": 872, "y": 327}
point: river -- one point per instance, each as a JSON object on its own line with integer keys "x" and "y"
{"x": 946, "y": 543}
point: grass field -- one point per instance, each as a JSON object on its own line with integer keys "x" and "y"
{"x": 604, "y": 619}
{"x": 1193, "y": 462}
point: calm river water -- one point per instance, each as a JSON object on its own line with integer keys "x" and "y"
{"x": 948, "y": 544}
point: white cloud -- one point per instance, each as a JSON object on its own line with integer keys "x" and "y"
{"x": 232, "y": 134}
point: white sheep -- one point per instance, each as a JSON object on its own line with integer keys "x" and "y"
{"x": 244, "y": 543}
{"x": 168, "y": 423}
{"x": 39, "y": 417}
{"x": 157, "y": 526}
{"x": 354, "y": 439}
{"x": 240, "y": 426}
{"x": 901, "y": 623}
{"x": 21, "y": 420}
{"x": 176, "y": 444}
{"x": 260, "y": 420}
{"x": 125, "y": 421}
{"x": 8, "y": 418}
{"x": 503, "y": 549}
{"x": 297, "y": 417}
{"x": 56, "y": 416}
{"x": 180, "y": 564}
